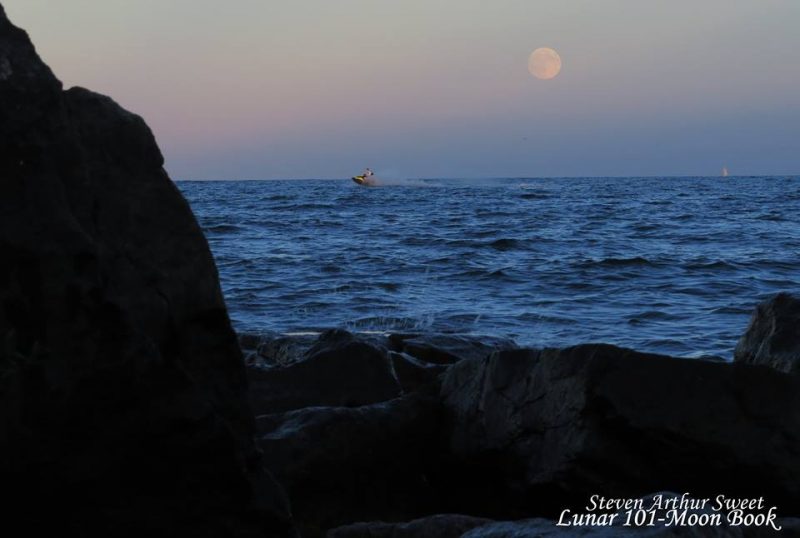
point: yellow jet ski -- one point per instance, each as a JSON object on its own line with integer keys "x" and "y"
{"x": 365, "y": 181}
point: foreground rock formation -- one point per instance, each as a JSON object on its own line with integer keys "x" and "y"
{"x": 773, "y": 336}
{"x": 551, "y": 427}
{"x": 123, "y": 404}
{"x": 497, "y": 442}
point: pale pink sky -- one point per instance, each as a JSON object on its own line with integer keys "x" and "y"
{"x": 256, "y": 89}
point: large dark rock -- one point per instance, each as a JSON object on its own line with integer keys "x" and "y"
{"x": 548, "y": 428}
{"x": 773, "y": 336}
{"x": 438, "y": 526}
{"x": 338, "y": 370}
{"x": 123, "y": 405}
{"x": 345, "y": 464}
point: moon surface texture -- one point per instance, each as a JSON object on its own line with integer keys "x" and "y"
{"x": 544, "y": 63}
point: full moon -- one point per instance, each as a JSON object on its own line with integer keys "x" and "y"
{"x": 544, "y": 63}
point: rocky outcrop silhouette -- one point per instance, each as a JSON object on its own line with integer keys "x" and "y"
{"x": 338, "y": 370}
{"x": 550, "y": 427}
{"x": 345, "y": 464}
{"x": 517, "y": 435}
{"x": 123, "y": 402}
{"x": 773, "y": 336}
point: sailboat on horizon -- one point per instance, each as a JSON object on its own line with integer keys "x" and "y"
{"x": 724, "y": 171}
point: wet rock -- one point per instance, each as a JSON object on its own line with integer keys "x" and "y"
{"x": 342, "y": 464}
{"x": 773, "y": 336}
{"x": 438, "y": 526}
{"x": 335, "y": 339}
{"x": 123, "y": 404}
{"x": 285, "y": 350}
{"x": 341, "y": 370}
{"x": 551, "y": 427}
{"x": 447, "y": 348}
{"x": 274, "y": 350}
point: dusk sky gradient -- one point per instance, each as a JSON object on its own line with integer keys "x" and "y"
{"x": 254, "y": 89}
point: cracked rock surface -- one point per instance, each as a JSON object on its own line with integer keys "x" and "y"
{"x": 517, "y": 435}
{"x": 549, "y": 427}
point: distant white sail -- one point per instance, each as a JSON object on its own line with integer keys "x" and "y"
{"x": 724, "y": 171}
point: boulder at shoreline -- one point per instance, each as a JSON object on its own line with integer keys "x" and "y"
{"x": 773, "y": 336}
{"x": 550, "y": 427}
{"x": 123, "y": 402}
{"x": 337, "y": 370}
{"x": 517, "y": 435}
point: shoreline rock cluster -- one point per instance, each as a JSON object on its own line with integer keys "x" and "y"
{"x": 496, "y": 435}
{"x": 128, "y": 409}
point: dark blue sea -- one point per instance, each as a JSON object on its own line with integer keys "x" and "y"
{"x": 669, "y": 265}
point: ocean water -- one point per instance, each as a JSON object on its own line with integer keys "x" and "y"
{"x": 668, "y": 265}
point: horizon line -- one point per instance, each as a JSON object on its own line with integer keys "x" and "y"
{"x": 483, "y": 178}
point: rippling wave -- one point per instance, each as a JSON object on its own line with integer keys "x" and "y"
{"x": 663, "y": 265}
